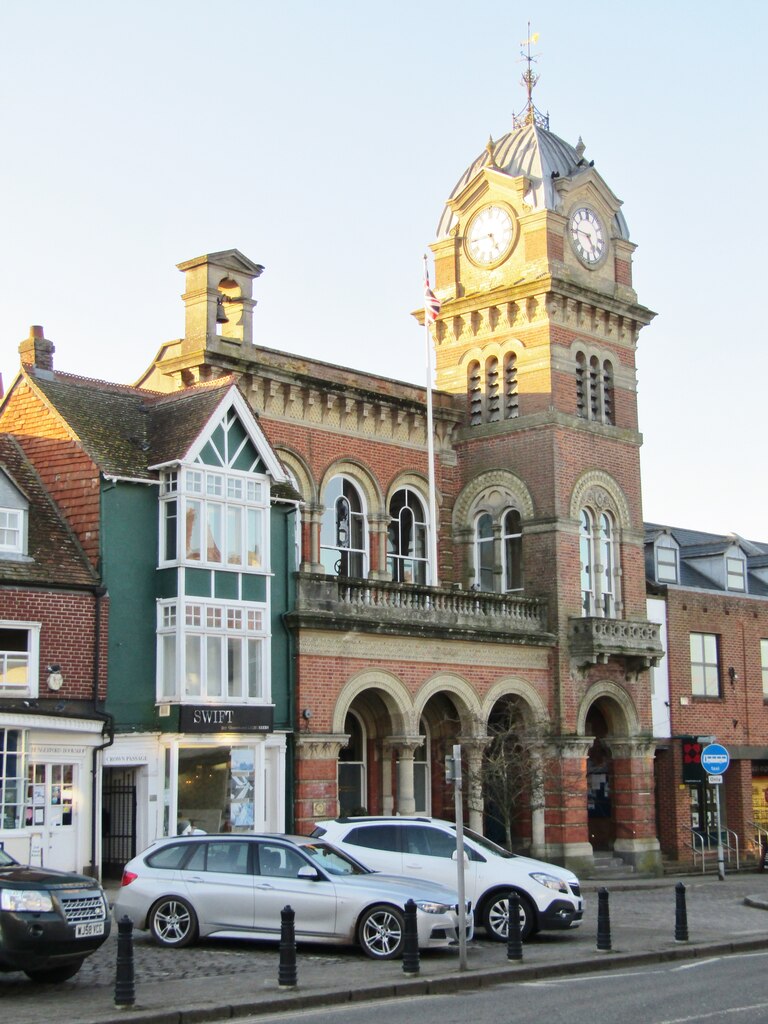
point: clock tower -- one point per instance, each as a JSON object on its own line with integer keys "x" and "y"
{"x": 538, "y": 328}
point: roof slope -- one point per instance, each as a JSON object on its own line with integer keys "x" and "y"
{"x": 55, "y": 557}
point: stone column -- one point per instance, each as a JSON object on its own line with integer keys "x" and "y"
{"x": 387, "y": 796}
{"x": 473, "y": 747}
{"x": 632, "y": 803}
{"x": 378, "y": 523}
{"x": 317, "y": 793}
{"x": 404, "y": 747}
{"x": 315, "y": 513}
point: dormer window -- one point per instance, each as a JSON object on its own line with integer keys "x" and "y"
{"x": 12, "y": 531}
{"x": 667, "y": 560}
{"x": 735, "y": 571}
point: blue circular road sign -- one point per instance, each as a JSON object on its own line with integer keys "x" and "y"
{"x": 715, "y": 759}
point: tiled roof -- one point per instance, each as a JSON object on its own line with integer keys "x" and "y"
{"x": 126, "y": 429}
{"x": 55, "y": 557}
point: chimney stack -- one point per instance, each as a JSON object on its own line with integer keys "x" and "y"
{"x": 36, "y": 351}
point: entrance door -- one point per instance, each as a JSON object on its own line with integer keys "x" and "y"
{"x": 118, "y": 820}
{"x": 50, "y": 815}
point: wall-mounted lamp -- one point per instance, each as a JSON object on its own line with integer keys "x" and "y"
{"x": 306, "y": 714}
{"x": 732, "y": 675}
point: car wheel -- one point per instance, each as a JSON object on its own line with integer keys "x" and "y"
{"x": 381, "y": 932}
{"x": 496, "y": 917}
{"x": 173, "y": 922}
{"x": 55, "y": 975}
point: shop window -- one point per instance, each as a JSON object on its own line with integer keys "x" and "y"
{"x": 216, "y": 790}
{"x": 705, "y": 665}
{"x": 13, "y": 777}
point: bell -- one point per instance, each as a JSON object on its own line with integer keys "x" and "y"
{"x": 221, "y": 316}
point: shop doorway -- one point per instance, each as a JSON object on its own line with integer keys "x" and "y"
{"x": 50, "y": 815}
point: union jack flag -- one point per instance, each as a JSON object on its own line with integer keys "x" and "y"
{"x": 431, "y": 302}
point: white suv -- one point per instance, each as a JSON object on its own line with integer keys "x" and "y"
{"x": 550, "y": 896}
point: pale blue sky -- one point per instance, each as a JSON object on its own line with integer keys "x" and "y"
{"x": 321, "y": 139}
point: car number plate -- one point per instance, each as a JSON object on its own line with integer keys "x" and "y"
{"x": 88, "y": 928}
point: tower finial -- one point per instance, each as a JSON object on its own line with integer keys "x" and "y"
{"x": 529, "y": 114}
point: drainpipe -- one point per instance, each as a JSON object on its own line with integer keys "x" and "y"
{"x": 108, "y": 729}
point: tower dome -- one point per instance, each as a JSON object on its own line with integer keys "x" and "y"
{"x": 531, "y": 151}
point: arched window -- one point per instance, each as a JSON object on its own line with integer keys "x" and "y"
{"x": 511, "y": 397}
{"x": 343, "y": 533}
{"x": 599, "y": 563}
{"x": 352, "y": 768}
{"x": 484, "y": 552}
{"x": 512, "y": 550}
{"x": 474, "y": 394}
{"x": 586, "y": 543}
{"x": 499, "y": 543}
{"x": 407, "y": 538}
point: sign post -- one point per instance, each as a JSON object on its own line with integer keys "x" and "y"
{"x": 715, "y": 760}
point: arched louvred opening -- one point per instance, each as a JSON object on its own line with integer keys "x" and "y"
{"x": 595, "y": 383}
{"x": 492, "y": 395}
{"x": 474, "y": 394}
{"x": 581, "y": 385}
{"x": 511, "y": 395}
{"x": 608, "y": 408}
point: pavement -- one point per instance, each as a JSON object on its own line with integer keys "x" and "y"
{"x": 214, "y": 981}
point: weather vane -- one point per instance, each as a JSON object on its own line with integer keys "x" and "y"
{"x": 529, "y": 114}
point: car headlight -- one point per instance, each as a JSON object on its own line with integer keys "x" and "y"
{"x": 29, "y": 900}
{"x": 430, "y": 907}
{"x": 550, "y": 881}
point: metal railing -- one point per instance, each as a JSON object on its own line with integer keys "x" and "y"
{"x": 704, "y": 843}
{"x": 759, "y": 837}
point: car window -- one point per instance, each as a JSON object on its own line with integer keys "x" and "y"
{"x": 279, "y": 861}
{"x": 428, "y": 842}
{"x": 333, "y": 861}
{"x": 171, "y": 857}
{"x": 228, "y": 857}
{"x": 375, "y": 837}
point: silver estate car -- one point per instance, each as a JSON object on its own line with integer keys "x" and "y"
{"x": 234, "y": 886}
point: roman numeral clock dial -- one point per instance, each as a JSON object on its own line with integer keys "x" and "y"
{"x": 490, "y": 236}
{"x": 587, "y": 236}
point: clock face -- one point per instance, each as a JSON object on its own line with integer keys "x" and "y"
{"x": 491, "y": 235}
{"x": 587, "y": 235}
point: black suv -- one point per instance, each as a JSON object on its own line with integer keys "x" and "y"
{"x": 50, "y": 921}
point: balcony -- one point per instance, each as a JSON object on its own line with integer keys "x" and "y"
{"x": 594, "y": 641}
{"x": 329, "y": 602}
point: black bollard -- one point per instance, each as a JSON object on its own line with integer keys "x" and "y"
{"x": 514, "y": 932}
{"x": 287, "y": 975}
{"x": 681, "y": 914}
{"x": 603, "y": 922}
{"x": 125, "y": 989}
{"x": 411, "y": 963}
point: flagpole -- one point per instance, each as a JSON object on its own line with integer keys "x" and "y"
{"x": 430, "y": 441}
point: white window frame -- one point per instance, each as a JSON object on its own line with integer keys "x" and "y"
{"x": 599, "y": 564}
{"x": 705, "y": 664}
{"x": 13, "y": 786}
{"x": 400, "y": 565}
{"x": 13, "y": 524}
{"x": 231, "y": 517}
{"x": 230, "y": 626}
{"x": 358, "y": 520}
{"x": 667, "y": 569}
{"x": 736, "y": 573}
{"x": 31, "y": 685}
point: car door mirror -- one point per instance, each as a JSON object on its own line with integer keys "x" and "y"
{"x": 455, "y": 857}
{"x": 308, "y": 873}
